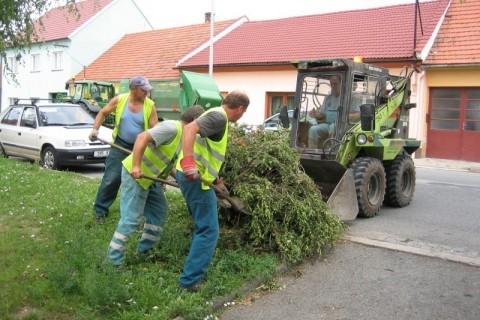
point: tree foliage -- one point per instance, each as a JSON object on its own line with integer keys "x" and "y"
{"x": 288, "y": 215}
{"x": 21, "y": 22}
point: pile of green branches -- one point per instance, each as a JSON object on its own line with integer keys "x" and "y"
{"x": 287, "y": 214}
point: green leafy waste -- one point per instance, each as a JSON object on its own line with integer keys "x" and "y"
{"x": 288, "y": 216}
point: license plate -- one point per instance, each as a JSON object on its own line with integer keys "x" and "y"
{"x": 100, "y": 154}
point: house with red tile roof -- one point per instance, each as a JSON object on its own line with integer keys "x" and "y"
{"x": 256, "y": 56}
{"x": 155, "y": 53}
{"x": 441, "y": 39}
{"x": 67, "y": 43}
{"x": 451, "y": 72}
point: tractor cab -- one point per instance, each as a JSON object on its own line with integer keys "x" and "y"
{"x": 328, "y": 96}
{"x": 91, "y": 92}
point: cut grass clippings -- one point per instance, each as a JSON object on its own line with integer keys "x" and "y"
{"x": 53, "y": 256}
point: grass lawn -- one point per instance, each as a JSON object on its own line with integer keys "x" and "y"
{"x": 53, "y": 256}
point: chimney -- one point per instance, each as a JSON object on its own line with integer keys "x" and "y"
{"x": 208, "y": 17}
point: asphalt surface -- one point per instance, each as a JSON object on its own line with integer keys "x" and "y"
{"x": 371, "y": 280}
{"x": 362, "y": 282}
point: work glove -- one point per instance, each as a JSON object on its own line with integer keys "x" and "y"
{"x": 223, "y": 190}
{"x": 189, "y": 168}
{"x": 93, "y": 135}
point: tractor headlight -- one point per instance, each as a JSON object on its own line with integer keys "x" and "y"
{"x": 74, "y": 143}
{"x": 361, "y": 138}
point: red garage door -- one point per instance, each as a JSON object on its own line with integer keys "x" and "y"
{"x": 454, "y": 124}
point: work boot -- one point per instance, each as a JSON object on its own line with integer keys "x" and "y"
{"x": 100, "y": 220}
{"x": 194, "y": 288}
{"x": 150, "y": 256}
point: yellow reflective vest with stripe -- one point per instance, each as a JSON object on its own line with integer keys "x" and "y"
{"x": 148, "y": 105}
{"x": 158, "y": 161}
{"x": 209, "y": 155}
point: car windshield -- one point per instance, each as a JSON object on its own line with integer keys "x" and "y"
{"x": 64, "y": 116}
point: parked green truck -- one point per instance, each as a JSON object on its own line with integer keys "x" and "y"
{"x": 173, "y": 96}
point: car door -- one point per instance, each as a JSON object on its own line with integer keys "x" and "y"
{"x": 27, "y": 136}
{"x": 9, "y": 129}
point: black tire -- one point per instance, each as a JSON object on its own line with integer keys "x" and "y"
{"x": 86, "y": 109}
{"x": 370, "y": 184}
{"x": 3, "y": 154}
{"x": 400, "y": 181}
{"x": 49, "y": 158}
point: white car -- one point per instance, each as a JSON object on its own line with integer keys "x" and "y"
{"x": 273, "y": 123}
{"x": 55, "y": 134}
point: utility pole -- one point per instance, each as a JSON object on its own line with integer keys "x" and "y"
{"x": 210, "y": 62}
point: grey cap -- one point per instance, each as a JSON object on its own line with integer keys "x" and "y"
{"x": 142, "y": 82}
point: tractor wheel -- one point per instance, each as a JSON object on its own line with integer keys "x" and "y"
{"x": 49, "y": 158}
{"x": 85, "y": 108}
{"x": 369, "y": 176}
{"x": 400, "y": 181}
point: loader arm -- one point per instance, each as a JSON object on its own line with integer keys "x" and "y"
{"x": 385, "y": 116}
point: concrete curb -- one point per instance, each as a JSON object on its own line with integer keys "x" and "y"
{"x": 475, "y": 262}
{"x": 246, "y": 288}
{"x": 444, "y": 164}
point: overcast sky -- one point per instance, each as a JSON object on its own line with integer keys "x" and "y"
{"x": 172, "y": 13}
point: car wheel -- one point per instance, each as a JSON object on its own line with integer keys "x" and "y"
{"x": 49, "y": 158}
{"x": 2, "y": 152}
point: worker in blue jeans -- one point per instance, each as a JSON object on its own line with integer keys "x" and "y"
{"x": 134, "y": 113}
{"x": 204, "y": 144}
{"x": 154, "y": 154}
{"x": 136, "y": 202}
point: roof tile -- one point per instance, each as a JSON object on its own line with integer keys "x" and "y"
{"x": 152, "y": 54}
{"x": 59, "y": 23}
{"x": 458, "y": 40}
{"x": 379, "y": 33}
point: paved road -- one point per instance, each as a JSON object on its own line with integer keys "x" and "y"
{"x": 361, "y": 282}
{"x": 420, "y": 262}
{"x": 90, "y": 170}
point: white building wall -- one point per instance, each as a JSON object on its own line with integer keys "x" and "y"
{"x": 103, "y": 31}
{"x": 36, "y": 83}
{"x": 84, "y": 46}
{"x": 256, "y": 84}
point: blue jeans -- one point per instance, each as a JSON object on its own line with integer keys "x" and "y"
{"x": 108, "y": 190}
{"x": 136, "y": 202}
{"x": 319, "y": 132}
{"x": 202, "y": 206}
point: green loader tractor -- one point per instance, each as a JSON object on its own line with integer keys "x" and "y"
{"x": 350, "y": 124}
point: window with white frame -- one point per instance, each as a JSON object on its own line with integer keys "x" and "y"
{"x": 35, "y": 62}
{"x": 12, "y": 65}
{"x": 57, "y": 60}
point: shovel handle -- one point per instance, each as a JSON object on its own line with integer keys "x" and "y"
{"x": 214, "y": 187}
{"x": 173, "y": 184}
{"x": 114, "y": 145}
